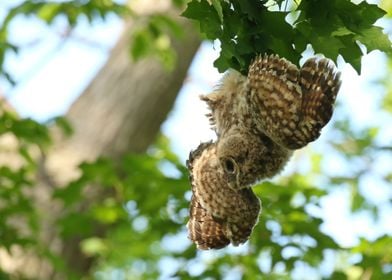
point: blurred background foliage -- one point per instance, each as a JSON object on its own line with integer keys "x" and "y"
{"x": 146, "y": 207}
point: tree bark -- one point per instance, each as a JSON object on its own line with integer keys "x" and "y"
{"x": 124, "y": 106}
{"x": 119, "y": 112}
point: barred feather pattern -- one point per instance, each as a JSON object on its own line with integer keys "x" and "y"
{"x": 292, "y": 105}
{"x": 219, "y": 215}
{"x": 259, "y": 119}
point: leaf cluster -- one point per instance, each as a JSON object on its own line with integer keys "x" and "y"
{"x": 48, "y": 11}
{"x": 20, "y": 139}
{"x": 140, "y": 218}
{"x": 139, "y": 221}
{"x": 146, "y": 208}
{"x": 246, "y": 28}
{"x": 153, "y": 39}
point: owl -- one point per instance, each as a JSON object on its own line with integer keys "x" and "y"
{"x": 259, "y": 119}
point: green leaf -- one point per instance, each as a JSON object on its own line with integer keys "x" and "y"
{"x": 166, "y": 25}
{"x": 26, "y": 129}
{"x": 341, "y": 31}
{"x": 75, "y": 224}
{"x": 49, "y": 11}
{"x": 108, "y": 213}
{"x": 338, "y": 275}
{"x": 218, "y": 7}
{"x": 357, "y": 200}
{"x": 152, "y": 39}
{"x": 374, "y": 39}
{"x": 330, "y": 47}
{"x": 65, "y": 125}
{"x": 368, "y": 13}
{"x": 351, "y": 52}
{"x": 208, "y": 17}
{"x": 71, "y": 193}
{"x": 327, "y": 27}
{"x": 141, "y": 44}
{"x": 253, "y": 9}
{"x": 94, "y": 246}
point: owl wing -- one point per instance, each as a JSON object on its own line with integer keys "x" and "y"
{"x": 203, "y": 229}
{"x": 291, "y": 106}
{"x": 209, "y": 232}
{"x": 240, "y": 228}
{"x": 275, "y": 98}
{"x": 218, "y": 214}
{"x": 320, "y": 84}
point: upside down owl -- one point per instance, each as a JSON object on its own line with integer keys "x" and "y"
{"x": 259, "y": 120}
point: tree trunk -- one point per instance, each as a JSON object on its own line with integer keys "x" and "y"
{"x": 120, "y": 111}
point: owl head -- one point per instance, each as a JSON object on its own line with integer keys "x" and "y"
{"x": 246, "y": 158}
{"x": 237, "y": 153}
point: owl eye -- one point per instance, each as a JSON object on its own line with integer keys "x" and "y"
{"x": 229, "y": 165}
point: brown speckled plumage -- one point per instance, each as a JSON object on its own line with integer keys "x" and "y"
{"x": 292, "y": 105}
{"x": 259, "y": 120}
{"x": 214, "y": 220}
